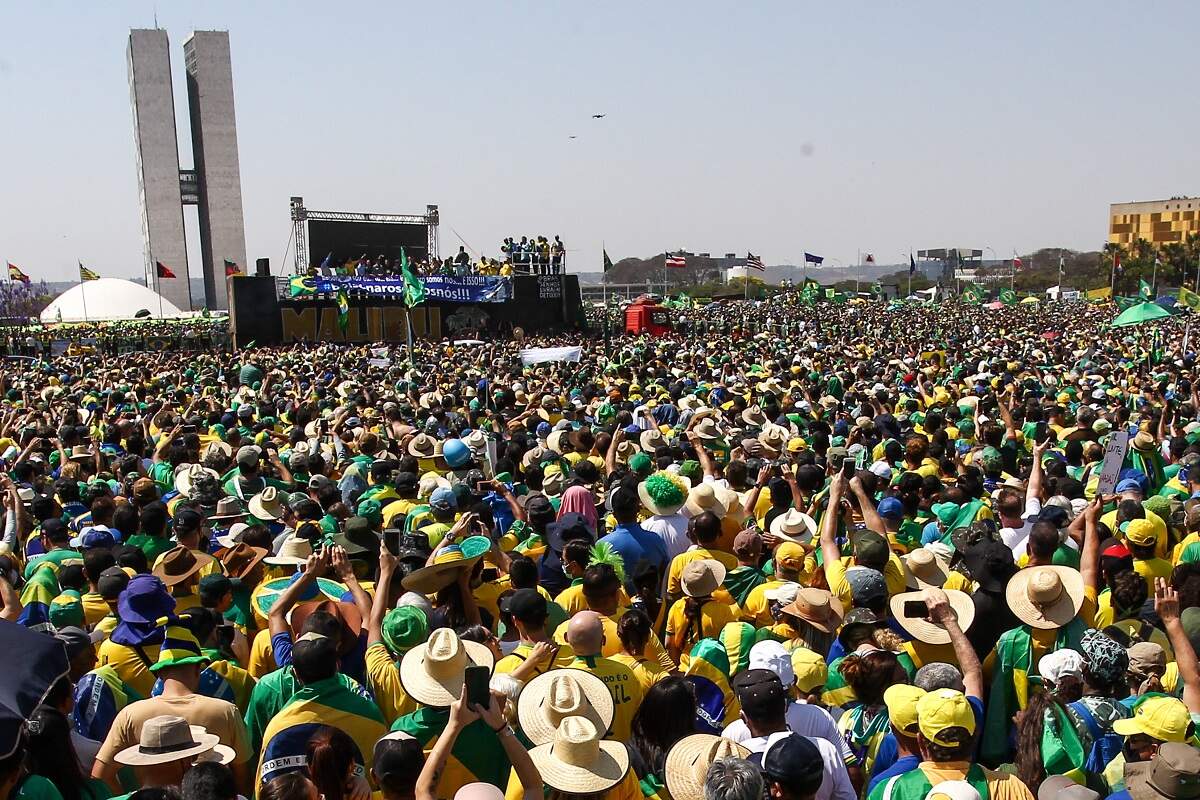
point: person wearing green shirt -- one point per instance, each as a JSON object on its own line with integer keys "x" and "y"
{"x": 152, "y": 539}
{"x": 56, "y": 539}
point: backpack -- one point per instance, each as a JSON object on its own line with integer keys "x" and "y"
{"x": 1105, "y": 746}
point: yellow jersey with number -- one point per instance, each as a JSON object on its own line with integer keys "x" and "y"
{"x": 622, "y": 684}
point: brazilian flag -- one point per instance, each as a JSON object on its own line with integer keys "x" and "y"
{"x": 343, "y": 307}
{"x": 709, "y": 673}
{"x": 830, "y": 293}
{"x": 973, "y": 293}
{"x": 1008, "y": 296}
{"x": 1189, "y": 298}
{"x": 1145, "y": 290}
{"x": 876, "y": 288}
{"x": 302, "y": 286}
{"x": 414, "y": 289}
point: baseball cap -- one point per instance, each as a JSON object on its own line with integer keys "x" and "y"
{"x": 942, "y": 709}
{"x": 1163, "y": 718}
{"x": 74, "y": 639}
{"x": 1129, "y": 485}
{"x": 443, "y": 499}
{"x": 901, "y": 701}
{"x": 771, "y": 655}
{"x": 891, "y": 508}
{"x": 112, "y": 582}
{"x": 760, "y": 691}
{"x": 810, "y": 669}
{"x": 1140, "y": 532}
{"x": 406, "y": 481}
{"x": 526, "y": 605}
{"x": 95, "y": 538}
{"x": 871, "y": 550}
{"x": 398, "y": 760}
{"x": 1061, "y": 664}
{"x": 247, "y": 456}
{"x": 318, "y": 482}
{"x": 747, "y": 542}
{"x": 1146, "y": 659}
{"x": 790, "y": 556}
{"x": 795, "y": 762}
{"x": 867, "y": 586}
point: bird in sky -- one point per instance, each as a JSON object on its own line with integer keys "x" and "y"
{"x": 572, "y": 137}
{"x": 599, "y": 116}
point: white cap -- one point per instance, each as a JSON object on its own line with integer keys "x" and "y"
{"x": 953, "y": 790}
{"x": 771, "y": 655}
{"x": 784, "y": 595}
{"x": 881, "y": 469}
{"x": 1060, "y": 664}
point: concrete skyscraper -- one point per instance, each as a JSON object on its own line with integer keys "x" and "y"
{"x": 214, "y": 183}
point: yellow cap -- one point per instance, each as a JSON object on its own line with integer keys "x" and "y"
{"x": 901, "y": 701}
{"x": 942, "y": 709}
{"x": 790, "y": 556}
{"x": 1140, "y": 532}
{"x": 796, "y": 444}
{"x": 1163, "y": 718}
{"x": 811, "y": 670}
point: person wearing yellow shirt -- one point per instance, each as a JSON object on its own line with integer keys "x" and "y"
{"x": 697, "y": 615}
{"x": 634, "y": 630}
{"x": 1129, "y": 508}
{"x": 391, "y": 632}
{"x": 585, "y": 633}
{"x": 406, "y": 500}
{"x": 536, "y": 652}
{"x": 703, "y": 530}
{"x": 1142, "y": 540}
{"x": 789, "y": 568}
{"x": 575, "y": 556}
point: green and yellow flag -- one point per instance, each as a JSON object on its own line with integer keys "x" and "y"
{"x": 414, "y": 289}
{"x": 343, "y": 307}
{"x": 830, "y": 293}
{"x": 973, "y": 293}
{"x": 1008, "y": 296}
{"x": 86, "y": 274}
{"x": 1145, "y": 290}
{"x": 302, "y": 286}
{"x": 1189, "y": 298}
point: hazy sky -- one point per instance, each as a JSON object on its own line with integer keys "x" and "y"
{"x": 773, "y": 127}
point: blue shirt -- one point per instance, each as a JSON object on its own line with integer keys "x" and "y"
{"x": 898, "y": 767}
{"x": 638, "y": 548}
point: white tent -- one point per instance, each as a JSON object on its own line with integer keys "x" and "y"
{"x": 108, "y": 298}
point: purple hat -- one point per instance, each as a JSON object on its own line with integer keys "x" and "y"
{"x": 145, "y": 601}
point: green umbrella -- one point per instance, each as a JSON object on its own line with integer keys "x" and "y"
{"x": 1142, "y": 312}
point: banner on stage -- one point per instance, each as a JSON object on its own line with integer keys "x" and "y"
{"x": 465, "y": 289}
{"x": 539, "y": 355}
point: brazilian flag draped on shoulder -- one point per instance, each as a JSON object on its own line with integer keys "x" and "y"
{"x": 708, "y": 672}
{"x": 325, "y": 702}
{"x": 1011, "y": 677}
{"x": 99, "y": 696}
{"x": 414, "y": 289}
{"x": 39, "y": 592}
{"x": 477, "y": 755}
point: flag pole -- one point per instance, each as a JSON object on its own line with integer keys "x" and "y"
{"x": 1154, "y": 279}
{"x": 83, "y": 291}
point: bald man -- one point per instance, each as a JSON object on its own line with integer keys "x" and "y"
{"x": 585, "y": 634}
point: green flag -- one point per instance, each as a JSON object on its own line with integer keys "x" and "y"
{"x": 1126, "y": 302}
{"x": 876, "y": 288}
{"x": 1008, "y": 296}
{"x": 830, "y": 293}
{"x": 1145, "y": 290}
{"x": 1189, "y": 298}
{"x": 414, "y": 289}
{"x": 607, "y": 261}
{"x": 973, "y": 293}
{"x": 343, "y": 307}
{"x": 301, "y": 286}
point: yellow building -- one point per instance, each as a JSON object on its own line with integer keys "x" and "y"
{"x": 1156, "y": 221}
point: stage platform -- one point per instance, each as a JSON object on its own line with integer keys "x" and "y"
{"x": 269, "y": 310}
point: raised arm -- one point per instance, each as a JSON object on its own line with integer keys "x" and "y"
{"x": 1034, "y": 490}
{"x": 379, "y": 605}
{"x": 829, "y": 549}
{"x": 866, "y": 505}
{"x": 1166, "y": 603}
{"x": 314, "y": 568}
{"x": 1089, "y": 556}
{"x": 345, "y": 573}
{"x": 941, "y": 612}
{"x": 518, "y": 756}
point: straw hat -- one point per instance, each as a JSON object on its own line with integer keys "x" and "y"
{"x": 707, "y": 429}
{"x": 794, "y": 526}
{"x": 1045, "y": 597}
{"x": 553, "y": 696}
{"x": 578, "y": 761}
{"x": 925, "y": 630}
{"x": 179, "y": 563}
{"x": 818, "y": 608}
{"x": 774, "y": 438}
{"x": 651, "y": 440}
{"x": 689, "y": 759}
{"x": 432, "y": 674}
{"x": 294, "y": 552}
{"x": 228, "y": 508}
{"x": 266, "y": 504}
{"x": 441, "y": 573}
{"x": 556, "y": 441}
{"x": 704, "y": 498}
{"x": 625, "y": 450}
{"x": 702, "y": 577}
{"x": 476, "y": 442}
{"x": 924, "y": 568}
{"x": 422, "y": 446}
{"x": 167, "y": 738}
{"x": 188, "y": 475}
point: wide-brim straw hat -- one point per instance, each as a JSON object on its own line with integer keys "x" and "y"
{"x": 754, "y": 416}
{"x": 924, "y": 630}
{"x": 188, "y": 475}
{"x": 228, "y": 508}
{"x": 655, "y": 484}
{"x": 651, "y": 440}
{"x": 702, "y": 577}
{"x": 707, "y": 429}
{"x": 441, "y": 573}
{"x": 556, "y": 441}
{"x": 794, "y": 526}
{"x": 422, "y": 446}
{"x": 704, "y": 497}
{"x": 1045, "y": 597}
{"x": 266, "y": 504}
{"x": 169, "y": 738}
{"x": 579, "y": 761}
{"x": 433, "y": 673}
{"x": 689, "y": 759}
{"x": 294, "y": 552}
{"x": 818, "y": 608}
{"x": 553, "y": 696}
{"x": 924, "y": 568}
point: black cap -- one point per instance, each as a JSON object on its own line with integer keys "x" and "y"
{"x": 538, "y": 509}
{"x": 1055, "y": 515}
{"x": 760, "y": 691}
{"x": 406, "y": 481}
{"x": 569, "y": 526}
{"x": 398, "y": 761}
{"x": 112, "y": 582}
{"x": 526, "y": 605}
{"x": 990, "y": 564}
{"x": 187, "y": 519}
{"x": 54, "y": 527}
{"x": 794, "y": 762}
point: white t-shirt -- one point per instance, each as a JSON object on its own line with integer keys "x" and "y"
{"x": 811, "y": 721}
{"x": 836, "y": 783}
{"x": 672, "y": 530}
{"x": 1017, "y": 538}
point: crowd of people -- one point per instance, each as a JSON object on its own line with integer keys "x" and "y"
{"x": 536, "y": 255}
{"x": 872, "y": 551}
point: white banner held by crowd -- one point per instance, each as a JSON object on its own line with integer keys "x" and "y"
{"x": 1114, "y": 456}
{"x": 540, "y": 355}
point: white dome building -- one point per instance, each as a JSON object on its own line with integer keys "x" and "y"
{"x": 109, "y": 298}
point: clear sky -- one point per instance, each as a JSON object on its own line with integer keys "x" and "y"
{"x": 774, "y": 127}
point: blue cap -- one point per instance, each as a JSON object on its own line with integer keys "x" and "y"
{"x": 443, "y": 499}
{"x": 891, "y": 508}
{"x": 1129, "y": 485}
{"x": 543, "y": 429}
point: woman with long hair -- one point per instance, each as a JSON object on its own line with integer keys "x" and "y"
{"x": 865, "y": 725}
{"x": 697, "y": 615}
{"x": 666, "y": 715}
{"x": 634, "y": 629}
{"x": 52, "y": 756}
{"x": 331, "y": 761}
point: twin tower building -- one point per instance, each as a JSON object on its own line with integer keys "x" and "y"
{"x": 213, "y": 184}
